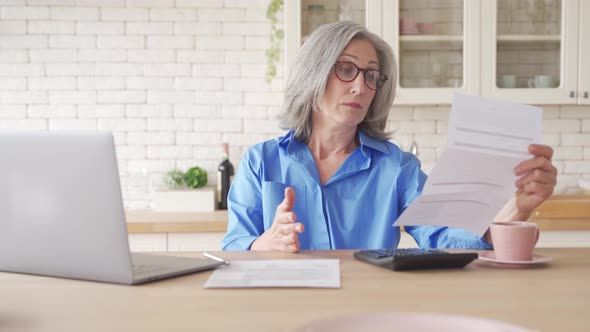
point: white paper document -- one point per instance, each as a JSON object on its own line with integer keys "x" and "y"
{"x": 317, "y": 273}
{"x": 474, "y": 177}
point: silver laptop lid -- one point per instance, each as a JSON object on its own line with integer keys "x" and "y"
{"x": 61, "y": 210}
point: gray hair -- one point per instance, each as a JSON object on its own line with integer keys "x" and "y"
{"x": 310, "y": 71}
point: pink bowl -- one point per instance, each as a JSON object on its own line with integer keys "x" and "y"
{"x": 408, "y": 27}
{"x": 426, "y": 28}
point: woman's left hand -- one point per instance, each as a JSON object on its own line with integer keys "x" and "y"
{"x": 537, "y": 179}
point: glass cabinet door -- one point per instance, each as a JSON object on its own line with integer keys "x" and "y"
{"x": 431, "y": 45}
{"x": 528, "y": 44}
{"x": 529, "y": 51}
{"x": 317, "y": 12}
{"x": 431, "y": 42}
{"x": 304, "y": 16}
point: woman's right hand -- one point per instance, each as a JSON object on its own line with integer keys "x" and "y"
{"x": 283, "y": 234}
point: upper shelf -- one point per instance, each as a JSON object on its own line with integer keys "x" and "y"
{"x": 431, "y": 42}
{"x": 459, "y": 38}
{"x": 431, "y": 38}
{"x": 529, "y": 38}
{"x": 455, "y": 42}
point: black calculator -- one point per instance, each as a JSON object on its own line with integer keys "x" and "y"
{"x": 415, "y": 259}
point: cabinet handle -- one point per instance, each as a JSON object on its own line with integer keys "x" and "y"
{"x": 572, "y": 94}
{"x": 585, "y": 94}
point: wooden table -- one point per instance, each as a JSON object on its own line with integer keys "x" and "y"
{"x": 555, "y": 297}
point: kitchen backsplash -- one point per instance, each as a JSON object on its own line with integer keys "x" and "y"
{"x": 175, "y": 79}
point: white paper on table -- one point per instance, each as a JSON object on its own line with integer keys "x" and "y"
{"x": 316, "y": 273}
{"x": 474, "y": 177}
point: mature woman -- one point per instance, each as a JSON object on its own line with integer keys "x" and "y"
{"x": 334, "y": 181}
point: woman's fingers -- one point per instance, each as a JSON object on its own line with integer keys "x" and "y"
{"x": 288, "y": 239}
{"x": 538, "y": 162}
{"x": 289, "y": 201}
{"x": 537, "y": 175}
{"x": 288, "y": 229}
{"x": 543, "y": 190}
{"x": 541, "y": 150}
{"x": 292, "y": 247}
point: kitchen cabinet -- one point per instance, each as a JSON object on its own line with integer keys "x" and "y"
{"x": 534, "y": 51}
{"x": 584, "y": 58}
{"x": 436, "y": 44}
{"x": 529, "y": 51}
{"x": 175, "y": 242}
{"x": 175, "y": 231}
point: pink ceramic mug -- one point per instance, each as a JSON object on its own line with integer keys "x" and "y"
{"x": 514, "y": 240}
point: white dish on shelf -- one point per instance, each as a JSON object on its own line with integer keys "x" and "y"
{"x": 408, "y": 322}
{"x": 491, "y": 257}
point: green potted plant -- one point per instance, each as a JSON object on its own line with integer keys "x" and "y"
{"x": 185, "y": 192}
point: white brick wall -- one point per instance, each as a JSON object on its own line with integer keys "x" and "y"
{"x": 52, "y": 83}
{"x": 124, "y": 14}
{"x": 100, "y": 83}
{"x": 12, "y": 111}
{"x": 13, "y": 83}
{"x": 175, "y": 79}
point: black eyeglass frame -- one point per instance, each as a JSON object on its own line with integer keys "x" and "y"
{"x": 382, "y": 77}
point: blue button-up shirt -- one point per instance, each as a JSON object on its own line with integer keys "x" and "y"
{"x": 354, "y": 209}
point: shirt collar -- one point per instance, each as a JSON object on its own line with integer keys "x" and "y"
{"x": 290, "y": 142}
{"x": 373, "y": 143}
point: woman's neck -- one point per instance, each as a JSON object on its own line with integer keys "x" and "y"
{"x": 324, "y": 144}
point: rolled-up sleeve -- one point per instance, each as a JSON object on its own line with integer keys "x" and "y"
{"x": 446, "y": 237}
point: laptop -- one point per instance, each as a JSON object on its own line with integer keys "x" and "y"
{"x": 62, "y": 215}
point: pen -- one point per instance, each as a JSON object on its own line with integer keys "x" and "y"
{"x": 216, "y": 258}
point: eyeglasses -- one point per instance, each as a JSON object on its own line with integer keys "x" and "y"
{"x": 348, "y": 71}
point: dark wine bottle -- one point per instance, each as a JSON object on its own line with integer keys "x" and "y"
{"x": 225, "y": 173}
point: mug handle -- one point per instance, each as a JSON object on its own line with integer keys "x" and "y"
{"x": 531, "y": 83}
